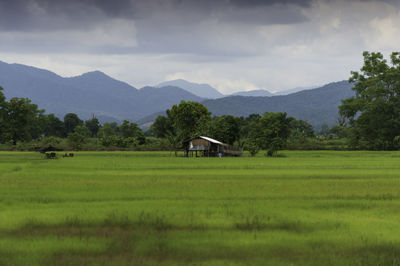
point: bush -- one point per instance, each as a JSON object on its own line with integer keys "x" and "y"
{"x": 50, "y": 141}
{"x": 252, "y": 147}
{"x": 76, "y": 140}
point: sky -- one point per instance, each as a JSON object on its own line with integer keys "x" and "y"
{"x": 233, "y": 45}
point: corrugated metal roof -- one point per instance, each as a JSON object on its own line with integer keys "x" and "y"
{"x": 211, "y": 140}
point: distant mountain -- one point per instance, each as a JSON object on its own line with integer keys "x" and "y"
{"x": 254, "y": 93}
{"x": 317, "y": 106}
{"x": 91, "y": 93}
{"x": 113, "y": 100}
{"x": 294, "y": 90}
{"x": 201, "y": 90}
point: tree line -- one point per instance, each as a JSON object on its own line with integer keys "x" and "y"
{"x": 23, "y": 121}
{"x": 190, "y": 119}
{"x": 369, "y": 120}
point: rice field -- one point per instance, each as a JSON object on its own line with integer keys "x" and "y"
{"x": 149, "y": 208}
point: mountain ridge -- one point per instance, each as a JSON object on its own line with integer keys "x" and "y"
{"x": 253, "y": 93}
{"x": 202, "y": 90}
{"x": 317, "y": 106}
{"x": 87, "y": 94}
{"x": 96, "y": 93}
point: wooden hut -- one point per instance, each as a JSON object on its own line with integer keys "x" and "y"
{"x": 205, "y": 146}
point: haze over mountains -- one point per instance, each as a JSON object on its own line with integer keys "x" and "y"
{"x": 254, "y": 93}
{"x": 95, "y": 93}
{"x": 201, "y": 90}
{"x": 208, "y": 92}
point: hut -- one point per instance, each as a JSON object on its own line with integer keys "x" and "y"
{"x": 205, "y": 146}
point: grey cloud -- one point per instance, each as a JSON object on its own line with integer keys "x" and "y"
{"x": 257, "y": 3}
{"x": 219, "y": 28}
{"x": 30, "y": 15}
{"x": 120, "y": 8}
{"x": 261, "y": 42}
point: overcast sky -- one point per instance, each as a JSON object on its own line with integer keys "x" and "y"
{"x": 232, "y": 45}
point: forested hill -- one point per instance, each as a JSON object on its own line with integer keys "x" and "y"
{"x": 317, "y": 106}
{"x": 91, "y": 93}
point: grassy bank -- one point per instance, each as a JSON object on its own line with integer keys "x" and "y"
{"x": 113, "y": 208}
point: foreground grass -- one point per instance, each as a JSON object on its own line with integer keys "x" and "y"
{"x": 120, "y": 208}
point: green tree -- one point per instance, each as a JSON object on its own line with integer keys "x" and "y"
{"x": 373, "y": 114}
{"x": 93, "y": 125}
{"x": 77, "y": 138}
{"x": 52, "y": 126}
{"x": 270, "y": 132}
{"x": 301, "y": 128}
{"x": 247, "y": 123}
{"x": 50, "y": 141}
{"x": 71, "y": 121}
{"x": 107, "y": 130}
{"x": 3, "y": 113}
{"x": 226, "y": 128}
{"x": 252, "y": 146}
{"x": 189, "y": 119}
{"x": 20, "y": 119}
{"x": 174, "y": 142}
{"x": 132, "y": 130}
{"x": 162, "y": 127}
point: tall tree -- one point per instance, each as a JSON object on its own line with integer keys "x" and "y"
{"x": 226, "y": 128}
{"x": 131, "y": 130}
{"x": 21, "y": 119}
{"x": 93, "y": 125}
{"x": 77, "y": 138}
{"x": 52, "y": 126}
{"x": 248, "y": 123}
{"x": 189, "y": 119}
{"x": 271, "y": 132}
{"x": 2, "y": 114}
{"x": 71, "y": 121}
{"x": 107, "y": 130}
{"x": 163, "y": 127}
{"x": 301, "y": 128}
{"x": 374, "y": 112}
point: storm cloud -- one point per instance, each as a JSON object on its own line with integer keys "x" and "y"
{"x": 231, "y": 44}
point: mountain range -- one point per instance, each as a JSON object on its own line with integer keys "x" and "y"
{"x": 91, "y": 93}
{"x": 317, "y": 106}
{"x": 95, "y": 93}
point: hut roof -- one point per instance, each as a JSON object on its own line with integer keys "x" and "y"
{"x": 211, "y": 140}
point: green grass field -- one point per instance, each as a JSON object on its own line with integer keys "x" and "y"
{"x": 146, "y": 208}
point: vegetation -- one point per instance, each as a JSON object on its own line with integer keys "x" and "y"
{"x": 368, "y": 120}
{"x": 270, "y": 132}
{"x": 190, "y": 119}
{"x": 121, "y": 208}
{"x": 32, "y": 128}
{"x": 374, "y": 112}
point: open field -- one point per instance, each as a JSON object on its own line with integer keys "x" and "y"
{"x": 120, "y": 208}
